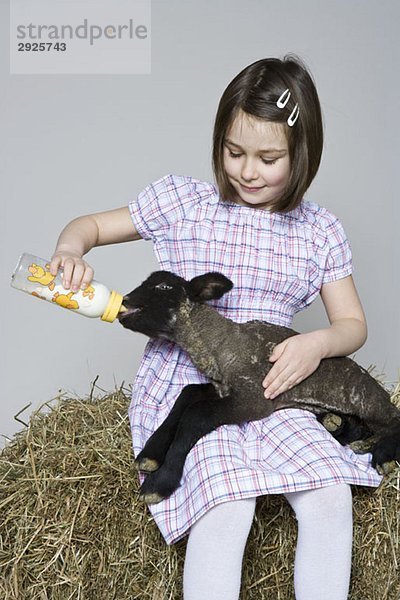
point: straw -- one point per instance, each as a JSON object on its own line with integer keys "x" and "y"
{"x": 72, "y": 526}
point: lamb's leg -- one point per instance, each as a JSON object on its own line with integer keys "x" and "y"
{"x": 387, "y": 449}
{"x": 344, "y": 428}
{"x": 197, "y": 420}
{"x": 153, "y": 454}
{"x": 384, "y": 446}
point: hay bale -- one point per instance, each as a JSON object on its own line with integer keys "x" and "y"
{"x": 71, "y": 525}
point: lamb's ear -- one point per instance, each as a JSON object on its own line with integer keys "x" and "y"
{"x": 209, "y": 286}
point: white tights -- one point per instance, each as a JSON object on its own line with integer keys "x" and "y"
{"x": 216, "y": 544}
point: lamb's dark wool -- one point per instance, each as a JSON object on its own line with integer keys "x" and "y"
{"x": 234, "y": 356}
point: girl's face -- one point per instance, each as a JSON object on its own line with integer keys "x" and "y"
{"x": 256, "y": 160}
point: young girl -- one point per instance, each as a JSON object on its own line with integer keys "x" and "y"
{"x": 281, "y": 251}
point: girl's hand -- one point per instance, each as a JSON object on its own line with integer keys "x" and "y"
{"x": 295, "y": 359}
{"x": 77, "y": 272}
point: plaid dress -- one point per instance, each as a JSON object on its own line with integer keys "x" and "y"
{"x": 278, "y": 263}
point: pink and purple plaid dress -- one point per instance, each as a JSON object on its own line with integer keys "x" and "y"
{"x": 277, "y": 263}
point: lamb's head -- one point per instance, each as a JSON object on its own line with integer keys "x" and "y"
{"x": 153, "y": 307}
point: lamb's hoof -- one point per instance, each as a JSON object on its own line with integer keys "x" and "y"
{"x": 158, "y": 486}
{"x": 332, "y": 422}
{"x": 362, "y": 446}
{"x": 386, "y": 467}
{"x": 151, "y": 498}
{"x": 147, "y": 465}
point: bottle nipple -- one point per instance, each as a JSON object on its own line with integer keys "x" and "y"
{"x": 113, "y": 307}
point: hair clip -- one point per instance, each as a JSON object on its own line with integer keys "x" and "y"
{"x": 294, "y": 115}
{"x": 283, "y": 99}
{"x": 282, "y": 102}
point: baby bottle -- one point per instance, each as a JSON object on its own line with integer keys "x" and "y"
{"x": 32, "y": 275}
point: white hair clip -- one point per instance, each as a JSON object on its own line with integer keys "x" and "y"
{"x": 294, "y": 115}
{"x": 282, "y": 102}
{"x": 283, "y": 99}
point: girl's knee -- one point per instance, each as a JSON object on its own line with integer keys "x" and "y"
{"x": 229, "y": 517}
{"x": 332, "y": 503}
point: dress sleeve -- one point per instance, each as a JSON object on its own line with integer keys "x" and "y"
{"x": 165, "y": 202}
{"x": 338, "y": 258}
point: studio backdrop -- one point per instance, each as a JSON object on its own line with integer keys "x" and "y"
{"x": 87, "y": 132}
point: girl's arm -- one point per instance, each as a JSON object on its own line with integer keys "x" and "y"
{"x": 84, "y": 233}
{"x": 348, "y": 327}
{"x": 297, "y": 357}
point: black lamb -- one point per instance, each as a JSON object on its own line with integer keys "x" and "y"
{"x": 234, "y": 356}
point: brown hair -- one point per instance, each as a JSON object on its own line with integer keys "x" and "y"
{"x": 255, "y": 90}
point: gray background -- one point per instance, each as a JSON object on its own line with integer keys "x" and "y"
{"x": 76, "y": 144}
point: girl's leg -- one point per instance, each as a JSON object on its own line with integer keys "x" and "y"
{"x": 213, "y": 563}
{"x": 323, "y": 554}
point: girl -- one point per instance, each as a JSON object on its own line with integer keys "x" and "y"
{"x": 280, "y": 251}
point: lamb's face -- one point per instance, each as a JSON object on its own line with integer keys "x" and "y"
{"x": 152, "y": 307}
